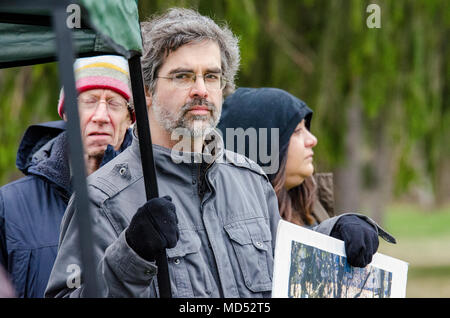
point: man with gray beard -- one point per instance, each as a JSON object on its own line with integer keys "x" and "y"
{"x": 218, "y": 213}
{"x": 194, "y": 124}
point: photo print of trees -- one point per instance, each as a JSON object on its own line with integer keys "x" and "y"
{"x": 315, "y": 273}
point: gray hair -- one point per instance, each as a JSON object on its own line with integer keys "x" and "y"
{"x": 178, "y": 26}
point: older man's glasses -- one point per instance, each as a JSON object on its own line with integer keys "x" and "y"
{"x": 185, "y": 80}
{"x": 91, "y": 102}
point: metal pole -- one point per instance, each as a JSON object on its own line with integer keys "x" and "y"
{"x": 66, "y": 60}
{"x": 148, "y": 163}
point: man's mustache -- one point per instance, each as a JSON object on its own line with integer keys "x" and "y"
{"x": 198, "y": 102}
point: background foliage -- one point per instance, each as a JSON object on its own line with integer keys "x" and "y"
{"x": 380, "y": 96}
{"x": 380, "y": 99}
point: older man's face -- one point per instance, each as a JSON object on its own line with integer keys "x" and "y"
{"x": 196, "y": 108}
{"x": 104, "y": 119}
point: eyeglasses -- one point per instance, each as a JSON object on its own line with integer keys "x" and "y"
{"x": 185, "y": 80}
{"x": 91, "y": 102}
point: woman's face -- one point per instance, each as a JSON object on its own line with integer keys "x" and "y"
{"x": 299, "y": 164}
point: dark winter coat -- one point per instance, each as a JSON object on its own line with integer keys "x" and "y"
{"x": 32, "y": 207}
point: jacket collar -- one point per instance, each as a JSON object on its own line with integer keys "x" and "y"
{"x": 213, "y": 150}
{"x": 51, "y": 162}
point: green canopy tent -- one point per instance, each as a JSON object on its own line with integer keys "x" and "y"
{"x": 40, "y": 31}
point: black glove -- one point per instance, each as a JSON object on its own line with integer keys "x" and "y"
{"x": 153, "y": 228}
{"x": 360, "y": 238}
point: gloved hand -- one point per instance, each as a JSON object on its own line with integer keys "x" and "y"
{"x": 360, "y": 238}
{"x": 153, "y": 228}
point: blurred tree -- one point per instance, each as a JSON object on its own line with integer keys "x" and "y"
{"x": 29, "y": 95}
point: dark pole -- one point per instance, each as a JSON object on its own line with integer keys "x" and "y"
{"x": 66, "y": 60}
{"x": 148, "y": 163}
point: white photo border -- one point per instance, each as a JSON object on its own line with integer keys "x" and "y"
{"x": 288, "y": 232}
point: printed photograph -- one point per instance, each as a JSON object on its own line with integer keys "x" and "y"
{"x": 315, "y": 273}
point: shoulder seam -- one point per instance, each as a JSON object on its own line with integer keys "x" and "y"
{"x": 247, "y": 164}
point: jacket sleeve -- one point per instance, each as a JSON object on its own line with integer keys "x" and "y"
{"x": 3, "y": 249}
{"x": 327, "y": 226}
{"x": 273, "y": 212}
{"x": 122, "y": 273}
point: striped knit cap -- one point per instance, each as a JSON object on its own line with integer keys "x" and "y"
{"x": 100, "y": 72}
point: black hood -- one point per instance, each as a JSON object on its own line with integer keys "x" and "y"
{"x": 263, "y": 108}
{"x": 34, "y": 138}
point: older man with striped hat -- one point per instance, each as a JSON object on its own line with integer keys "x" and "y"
{"x": 103, "y": 85}
{"x": 32, "y": 207}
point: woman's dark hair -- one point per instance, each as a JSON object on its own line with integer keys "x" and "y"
{"x": 296, "y": 204}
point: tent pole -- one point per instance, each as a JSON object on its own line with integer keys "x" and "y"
{"x": 66, "y": 60}
{"x": 148, "y": 164}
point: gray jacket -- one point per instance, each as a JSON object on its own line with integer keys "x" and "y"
{"x": 227, "y": 212}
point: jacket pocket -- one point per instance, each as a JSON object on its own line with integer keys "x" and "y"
{"x": 252, "y": 243}
{"x": 188, "y": 271}
{"x": 188, "y": 243}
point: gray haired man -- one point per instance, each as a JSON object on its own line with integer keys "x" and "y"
{"x": 217, "y": 216}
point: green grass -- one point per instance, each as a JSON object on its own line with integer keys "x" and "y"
{"x": 429, "y": 271}
{"x": 412, "y": 221}
{"x": 423, "y": 240}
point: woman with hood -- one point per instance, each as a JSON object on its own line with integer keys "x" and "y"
{"x": 287, "y": 158}
{"x": 291, "y": 168}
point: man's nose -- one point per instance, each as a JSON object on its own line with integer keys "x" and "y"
{"x": 101, "y": 112}
{"x": 198, "y": 89}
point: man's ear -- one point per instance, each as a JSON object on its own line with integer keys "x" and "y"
{"x": 148, "y": 96}
{"x": 64, "y": 117}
